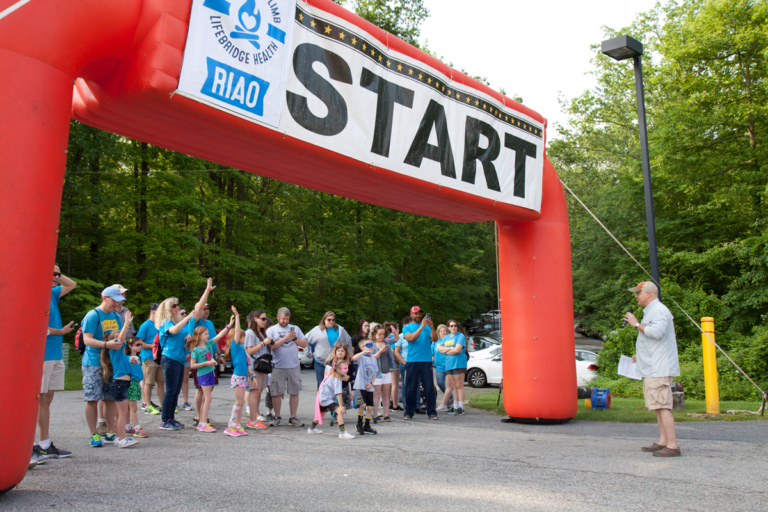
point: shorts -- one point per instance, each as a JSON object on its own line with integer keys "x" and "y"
{"x": 330, "y": 407}
{"x": 657, "y": 392}
{"x": 367, "y": 396}
{"x": 153, "y": 373}
{"x": 456, "y": 371}
{"x": 119, "y": 389}
{"x": 286, "y": 376}
{"x": 238, "y": 381}
{"x": 134, "y": 391}
{"x": 94, "y": 387}
{"x": 258, "y": 380}
{"x": 386, "y": 378}
{"x": 53, "y": 376}
{"x": 209, "y": 379}
{"x": 186, "y": 363}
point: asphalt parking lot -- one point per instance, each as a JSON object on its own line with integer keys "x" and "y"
{"x": 457, "y": 463}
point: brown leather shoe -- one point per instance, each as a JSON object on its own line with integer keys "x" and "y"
{"x": 653, "y": 448}
{"x": 667, "y": 452}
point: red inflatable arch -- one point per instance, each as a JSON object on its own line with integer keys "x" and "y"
{"x": 349, "y": 109}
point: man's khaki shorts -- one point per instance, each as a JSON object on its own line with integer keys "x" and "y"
{"x": 283, "y": 378}
{"x": 153, "y": 373}
{"x": 657, "y": 392}
{"x": 53, "y": 376}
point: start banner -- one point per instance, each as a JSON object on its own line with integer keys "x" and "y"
{"x": 326, "y": 81}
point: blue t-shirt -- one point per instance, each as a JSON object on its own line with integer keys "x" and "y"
{"x": 455, "y": 361}
{"x": 403, "y": 347}
{"x": 173, "y": 344}
{"x": 147, "y": 333}
{"x": 239, "y": 359}
{"x": 53, "y": 347}
{"x": 420, "y": 349}
{"x": 97, "y": 323}
{"x": 439, "y": 358}
{"x": 367, "y": 371}
{"x": 121, "y": 365}
{"x": 137, "y": 373}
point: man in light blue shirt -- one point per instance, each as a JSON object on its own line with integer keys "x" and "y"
{"x": 418, "y": 365}
{"x": 657, "y": 363}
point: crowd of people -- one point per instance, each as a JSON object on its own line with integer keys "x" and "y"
{"x": 369, "y": 371}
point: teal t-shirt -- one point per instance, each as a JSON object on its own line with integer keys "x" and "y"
{"x": 439, "y": 357}
{"x": 201, "y": 355}
{"x": 420, "y": 349}
{"x": 147, "y": 333}
{"x": 173, "y": 344}
{"x": 96, "y": 324}
{"x": 455, "y": 361}
{"x": 53, "y": 343}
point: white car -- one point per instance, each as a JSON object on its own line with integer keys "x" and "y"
{"x": 306, "y": 359}
{"x": 484, "y": 367}
{"x": 586, "y": 367}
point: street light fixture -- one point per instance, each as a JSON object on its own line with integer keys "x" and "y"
{"x": 621, "y": 48}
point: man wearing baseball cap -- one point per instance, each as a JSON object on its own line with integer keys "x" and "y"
{"x": 418, "y": 365}
{"x": 96, "y": 324}
{"x": 657, "y": 364}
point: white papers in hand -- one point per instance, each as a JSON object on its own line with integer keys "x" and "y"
{"x": 627, "y": 368}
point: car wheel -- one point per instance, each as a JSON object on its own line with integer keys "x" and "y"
{"x": 477, "y": 378}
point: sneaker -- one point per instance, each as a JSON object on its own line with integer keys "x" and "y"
{"x": 386, "y": 418}
{"x": 451, "y": 411}
{"x": 314, "y": 431}
{"x": 151, "y": 409}
{"x": 255, "y": 425}
{"x": 459, "y": 411}
{"x": 126, "y": 442}
{"x": 378, "y": 418}
{"x": 231, "y": 432}
{"x": 368, "y": 429}
{"x": 109, "y": 438}
{"x": 186, "y": 406}
{"x": 178, "y": 425}
{"x": 433, "y": 417}
{"x": 275, "y": 422}
{"x": 168, "y": 425}
{"x": 261, "y": 418}
{"x": 140, "y": 433}
{"x": 359, "y": 429}
{"x": 442, "y": 408}
{"x": 101, "y": 428}
{"x": 36, "y": 457}
{"x": 53, "y": 453}
{"x": 205, "y": 427}
{"x": 345, "y": 435}
{"x": 295, "y": 422}
{"x": 240, "y": 430}
{"x": 95, "y": 441}
{"x": 143, "y": 406}
{"x": 270, "y": 417}
{"x": 129, "y": 429}
{"x": 406, "y": 417}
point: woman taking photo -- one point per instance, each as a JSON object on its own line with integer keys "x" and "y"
{"x": 455, "y": 364}
{"x": 322, "y": 338}
{"x": 173, "y": 335}
{"x": 256, "y": 343}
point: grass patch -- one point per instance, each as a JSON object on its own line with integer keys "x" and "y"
{"x": 73, "y": 380}
{"x": 630, "y": 410}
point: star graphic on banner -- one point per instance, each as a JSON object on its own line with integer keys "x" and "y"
{"x": 449, "y": 92}
{"x": 477, "y": 102}
{"x": 312, "y": 23}
{"x": 468, "y": 98}
{"x": 506, "y": 118}
{"x": 354, "y": 41}
{"x": 499, "y": 115}
{"x": 484, "y": 106}
{"x": 364, "y": 46}
{"x": 437, "y": 84}
{"x": 458, "y": 96}
{"x": 373, "y": 52}
{"x": 341, "y": 35}
{"x": 420, "y": 75}
{"x": 399, "y": 67}
{"x": 410, "y": 71}
{"x": 327, "y": 29}
{"x": 518, "y": 123}
{"x": 443, "y": 88}
{"x": 389, "y": 64}
{"x": 379, "y": 57}
{"x": 301, "y": 17}
{"x": 429, "y": 80}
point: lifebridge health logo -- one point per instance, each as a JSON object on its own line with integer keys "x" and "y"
{"x": 236, "y": 55}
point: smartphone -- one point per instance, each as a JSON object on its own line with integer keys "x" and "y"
{"x": 429, "y": 317}
{"x": 292, "y": 328}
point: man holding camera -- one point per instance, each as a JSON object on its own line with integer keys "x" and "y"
{"x": 657, "y": 364}
{"x": 285, "y": 342}
{"x": 418, "y": 367}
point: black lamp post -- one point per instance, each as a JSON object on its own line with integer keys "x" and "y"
{"x": 621, "y": 48}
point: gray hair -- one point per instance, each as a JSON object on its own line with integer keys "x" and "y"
{"x": 283, "y": 312}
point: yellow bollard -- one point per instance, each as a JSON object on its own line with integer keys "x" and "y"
{"x": 711, "y": 392}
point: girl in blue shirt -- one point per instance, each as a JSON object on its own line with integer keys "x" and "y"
{"x": 239, "y": 381}
{"x": 454, "y": 348}
{"x": 116, "y": 369}
{"x": 132, "y": 350}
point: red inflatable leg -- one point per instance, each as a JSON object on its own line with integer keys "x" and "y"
{"x": 539, "y": 364}
{"x": 35, "y": 108}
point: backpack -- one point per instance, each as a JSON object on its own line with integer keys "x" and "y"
{"x": 79, "y": 336}
{"x": 157, "y": 349}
